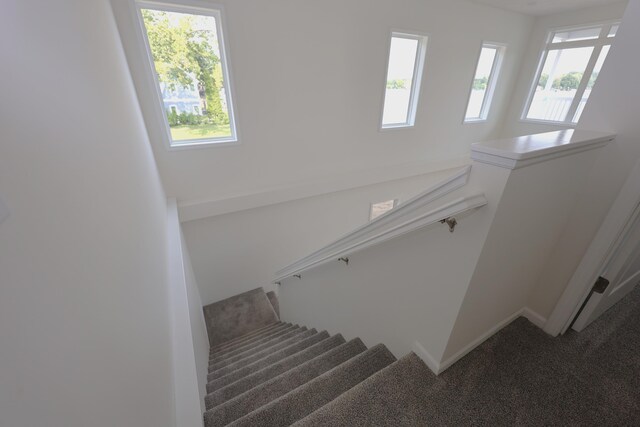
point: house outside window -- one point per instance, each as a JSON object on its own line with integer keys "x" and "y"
{"x": 188, "y": 64}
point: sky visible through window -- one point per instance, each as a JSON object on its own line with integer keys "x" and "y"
{"x": 402, "y": 62}
{"x": 481, "y": 83}
{"x": 571, "y": 67}
{"x": 186, "y": 54}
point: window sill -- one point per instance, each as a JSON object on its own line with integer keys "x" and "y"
{"x": 549, "y": 123}
{"x": 192, "y": 145}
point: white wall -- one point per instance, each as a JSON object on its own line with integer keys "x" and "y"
{"x": 309, "y": 78}
{"x": 236, "y": 252}
{"x": 405, "y": 290}
{"x": 513, "y": 126}
{"x": 198, "y": 326}
{"x": 84, "y": 322}
{"x": 534, "y": 209}
{"x": 187, "y": 326}
{"x": 611, "y": 107}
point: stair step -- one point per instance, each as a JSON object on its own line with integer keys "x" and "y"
{"x": 259, "y": 355}
{"x": 280, "y": 386}
{"x": 247, "y": 339}
{"x": 215, "y": 384}
{"x": 250, "y": 381}
{"x": 238, "y": 315}
{"x": 262, "y": 349}
{"x": 311, "y": 396}
{"x": 394, "y": 396}
{"x": 273, "y": 299}
{"x": 256, "y": 346}
{"x": 222, "y": 347}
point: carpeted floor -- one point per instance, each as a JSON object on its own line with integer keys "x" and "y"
{"x": 284, "y": 374}
{"x": 522, "y": 376}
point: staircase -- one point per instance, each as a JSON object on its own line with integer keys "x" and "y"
{"x": 279, "y": 374}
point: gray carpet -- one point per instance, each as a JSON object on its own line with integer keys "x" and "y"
{"x": 238, "y": 315}
{"x": 519, "y": 377}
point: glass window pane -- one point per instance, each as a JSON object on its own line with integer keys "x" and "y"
{"x": 402, "y": 63}
{"x": 481, "y": 83}
{"x": 613, "y": 31}
{"x": 592, "y": 81}
{"x": 186, "y": 53}
{"x": 578, "y": 34}
{"x": 558, "y": 83}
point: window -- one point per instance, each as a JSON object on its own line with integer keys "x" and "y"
{"x": 484, "y": 82}
{"x": 568, "y": 70}
{"x": 381, "y": 208}
{"x": 404, "y": 72}
{"x": 188, "y": 65}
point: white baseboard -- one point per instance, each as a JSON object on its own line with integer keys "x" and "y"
{"x": 475, "y": 343}
{"x": 534, "y": 317}
{"x": 423, "y": 354}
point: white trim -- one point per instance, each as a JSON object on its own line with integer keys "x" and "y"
{"x": 403, "y": 216}
{"x": 439, "y": 367}
{"x": 197, "y": 209}
{"x": 410, "y": 216}
{"x": 428, "y": 359}
{"x": 603, "y": 246}
{"x": 475, "y": 343}
{"x": 596, "y": 43}
{"x": 534, "y": 317}
{"x": 157, "y": 111}
{"x": 518, "y": 152}
{"x": 416, "y": 82}
{"x": 492, "y": 82}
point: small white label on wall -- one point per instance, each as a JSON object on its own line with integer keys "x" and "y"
{"x": 4, "y": 211}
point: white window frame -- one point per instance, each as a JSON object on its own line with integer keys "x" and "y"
{"x": 597, "y": 44}
{"x": 156, "y": 105}
{"x": 496, "y": 67}
{"x": 418, "y": 72}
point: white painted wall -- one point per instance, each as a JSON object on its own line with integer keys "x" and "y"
{"x": 439, "y": 293}
{"x": 84, "y": 322}
{"x": 199, "y": 335}
{"x": 513, "y": 126}
{"x": 611, "y": 107}
{"x": 309, "y": 78}
{"x": 400, "y": 292}
{"x": 534, "y": 209}
{"x": 187, "y": 324}
{"x": 236, "y": 252}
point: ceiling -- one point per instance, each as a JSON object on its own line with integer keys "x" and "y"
{"x": 544, "y": 7}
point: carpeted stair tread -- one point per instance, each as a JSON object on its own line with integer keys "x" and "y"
{"x": 316, "y": 393}
{"x": 251, "y": 343}
{"x": 238, "y": 315}
{"x": 255, "y": 346}
{"x": 265, "y": 394}
{"x": 259, "y": 355}
{"x": 215, "y": 384}
{"x": 261, "y": 348}
{"x": 249, "y": 339}
{"x": 250, "y": 381}
{"x": 394, "y": 396}
{"x": 244, "y": 338}
{"x": 273, "y": 299}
